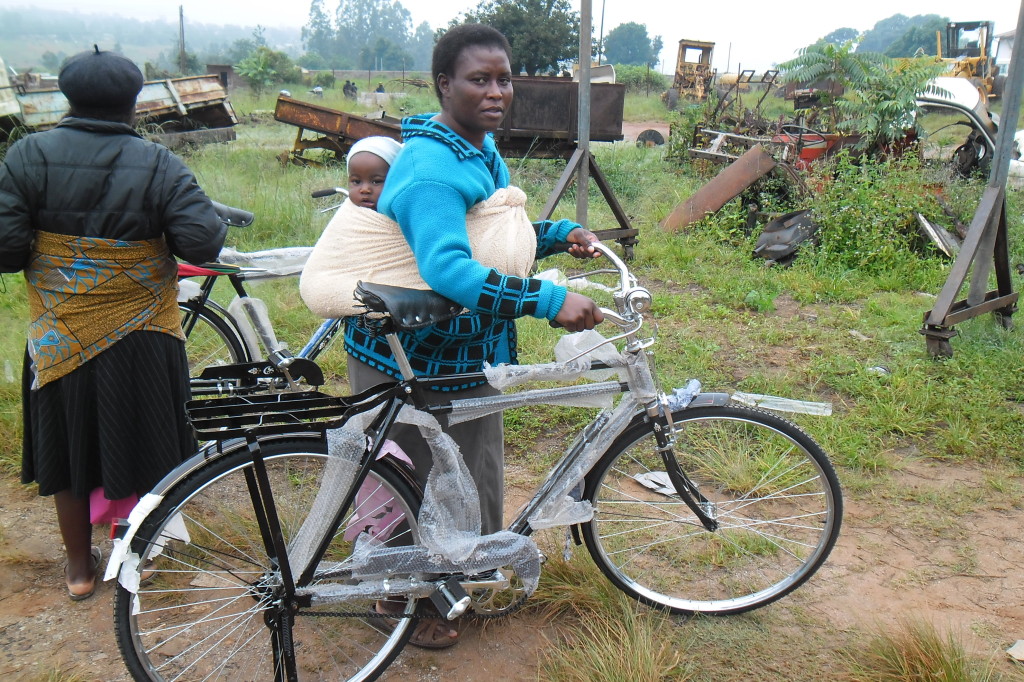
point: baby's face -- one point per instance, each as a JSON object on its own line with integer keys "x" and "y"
{"x": 366, "y": 173}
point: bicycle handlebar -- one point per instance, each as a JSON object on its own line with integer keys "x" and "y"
{"x": 329, "y": 192}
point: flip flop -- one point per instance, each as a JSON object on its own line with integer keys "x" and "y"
{"x": 97, "y": 556}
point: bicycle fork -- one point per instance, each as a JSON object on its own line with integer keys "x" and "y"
{"x": 664, "y": 435}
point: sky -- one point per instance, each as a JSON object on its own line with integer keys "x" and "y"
{"x": 749, "y": 34}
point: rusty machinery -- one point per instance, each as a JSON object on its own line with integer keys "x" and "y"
{"x": 969, "y": 55}
{"x": 694, "y": 74}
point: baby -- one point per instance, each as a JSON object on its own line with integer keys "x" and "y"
{"x": 369, "y": 160}
{"x": 355, "y": 231}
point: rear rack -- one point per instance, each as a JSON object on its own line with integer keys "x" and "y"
{"x": 271, "y": 413}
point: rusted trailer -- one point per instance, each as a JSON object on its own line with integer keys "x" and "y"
{"x": 192, "y": 109}
{"x": 542, "y": 122}
{"x": 324, "y": 128}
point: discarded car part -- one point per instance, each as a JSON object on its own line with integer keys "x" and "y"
{"x": 693, "y": 75}
{"x": 943, "y": 239}
{"x": 728, "y": 184}
{"x": 650, "y": 138}
{"x": 723, "y": 146}
{"x": 781, "y": 237}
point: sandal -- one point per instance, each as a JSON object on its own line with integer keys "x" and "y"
{"x": 77, "y": 594}
{"x": 429, "y": 633}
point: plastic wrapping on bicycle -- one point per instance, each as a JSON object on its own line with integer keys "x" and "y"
{"x": 277, "y": 413}
{"x": 410, "y": 309}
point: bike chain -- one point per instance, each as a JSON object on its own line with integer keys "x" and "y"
{"x": 512, "y": 608}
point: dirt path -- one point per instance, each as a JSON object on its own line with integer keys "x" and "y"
{"x": 941, "y": 542}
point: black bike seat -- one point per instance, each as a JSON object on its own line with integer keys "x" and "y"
{"x": 409, "y": 308}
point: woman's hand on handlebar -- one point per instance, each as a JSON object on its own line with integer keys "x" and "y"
{"x": 578, "y": 313}
{"x": 580, "y": 241}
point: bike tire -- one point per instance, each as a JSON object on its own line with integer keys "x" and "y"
{"x": 204, "y": 612}
{"x": 769, "y": 485}
{"x": 211, "y": 340}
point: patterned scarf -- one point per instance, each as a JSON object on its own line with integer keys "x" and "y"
{"x": 85, "y": 294}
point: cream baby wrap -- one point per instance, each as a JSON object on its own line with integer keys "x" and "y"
{"x": 362, "y": 245}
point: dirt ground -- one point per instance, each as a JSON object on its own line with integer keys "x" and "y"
{"x": 955, "y": 564}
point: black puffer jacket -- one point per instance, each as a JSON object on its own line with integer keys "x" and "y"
{"x": 95, "y": 178}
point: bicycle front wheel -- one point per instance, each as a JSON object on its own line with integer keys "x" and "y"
{"x": 211, "y": 598}
{"x": 769, "y": 486}
{"x": 209, "y": 338}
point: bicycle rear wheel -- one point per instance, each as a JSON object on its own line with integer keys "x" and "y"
{"x": 206, "y": 613}
{"x": 770, "y": 487}
{"x": 209, "y": 338}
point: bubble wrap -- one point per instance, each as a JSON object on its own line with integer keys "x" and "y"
{"x": 449, "y": 520}
{"x": 560, "y": 508}
{"x": 277, "y": 262}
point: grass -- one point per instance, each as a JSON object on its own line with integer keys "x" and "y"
{"x": 915, "y": 651}
{"x": 811, "y": 331}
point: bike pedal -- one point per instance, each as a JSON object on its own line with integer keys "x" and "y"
{"x": 450, "y": 599}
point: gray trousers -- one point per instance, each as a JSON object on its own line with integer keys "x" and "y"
{"x": 481, "y": 442}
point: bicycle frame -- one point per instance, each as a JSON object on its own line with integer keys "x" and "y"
{"x": 411, "y": 389}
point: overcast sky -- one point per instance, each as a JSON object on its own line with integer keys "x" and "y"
{"x": 750, "y": 34}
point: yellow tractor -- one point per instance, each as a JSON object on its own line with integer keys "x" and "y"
{"x": 694, "y": 75}
{"x": 969, "y": 55}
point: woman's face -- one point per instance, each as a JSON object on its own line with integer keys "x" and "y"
{"x": 476, "y": 97}
{"x": 366, "y": 173}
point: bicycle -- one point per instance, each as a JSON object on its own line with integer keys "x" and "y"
{"x": 267, "y": 552}
{"x": 243, "y": 334}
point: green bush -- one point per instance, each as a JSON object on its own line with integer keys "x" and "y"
{"x": 866, "y": 211}
{"x": 640, "y": 78}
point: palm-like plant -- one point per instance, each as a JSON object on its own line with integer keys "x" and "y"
{"x": 879, "y": 101}
{"x": 838, "y": 64}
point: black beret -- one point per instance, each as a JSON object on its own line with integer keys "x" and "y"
{"x": 100, "y": 80}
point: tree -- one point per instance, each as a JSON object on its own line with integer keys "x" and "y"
{"x": 319, "y": 36}
{"x": 265, "y": 67}
{"x": 840, "y": 36}
{"x": 383, "y": 55}
{"x": 361, "y": 23}
{"x": 542, "y": 33}
{"x": 629, "y": 44}
{"x": 421, "y": 47}
{"x": 920, "y": 38}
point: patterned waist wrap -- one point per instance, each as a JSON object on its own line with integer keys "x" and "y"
{"x": 85, "y": 293}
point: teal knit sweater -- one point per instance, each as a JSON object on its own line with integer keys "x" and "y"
{"x": 435, "y": 180}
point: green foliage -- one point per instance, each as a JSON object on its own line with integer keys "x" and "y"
{"x": 879, "y": 99}
{"x": 629, "y": 44}
{"x": 866, "y": 214}
{"x": 882, "y": 108}
{"x": 543, "y": 34}
{"x": 919, "y": 38}
{"x": 367, "y": 34}
{"x": 640, "y": 78}
{"x": 324, "y": 79}
{"x": 892, "y": 29}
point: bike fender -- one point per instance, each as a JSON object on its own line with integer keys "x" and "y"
{"x": 708, "y": 400}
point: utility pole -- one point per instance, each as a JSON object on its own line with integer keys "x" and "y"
{"x": 182, "y": 59}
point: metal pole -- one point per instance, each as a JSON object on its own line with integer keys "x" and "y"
{"x": 1011, "y": 108}
{"x": 583, "y": 127}
{"x": 600, "y": 39}
{"x": 182, "y": 59}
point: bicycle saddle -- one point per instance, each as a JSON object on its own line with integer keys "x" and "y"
{"x": 235, "y": 217}
{"x": 409, "y": 308}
